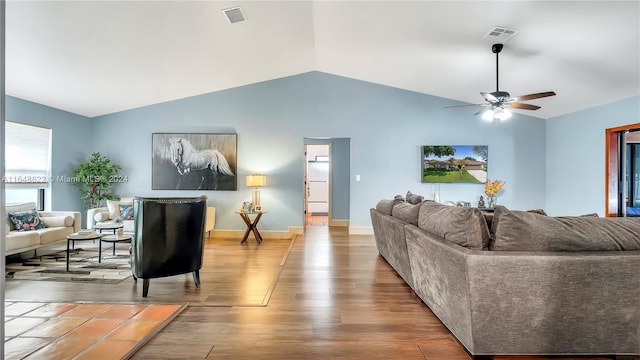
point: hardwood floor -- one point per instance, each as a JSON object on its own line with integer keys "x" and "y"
{"x": 336, "y": 298}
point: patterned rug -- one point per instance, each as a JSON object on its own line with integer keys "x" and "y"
{"x": 83, "y": 266}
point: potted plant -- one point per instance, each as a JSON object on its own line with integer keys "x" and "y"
{"x": 95, "y": 178}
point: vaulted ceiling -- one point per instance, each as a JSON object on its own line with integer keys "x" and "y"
{"x": 99, "y": 57}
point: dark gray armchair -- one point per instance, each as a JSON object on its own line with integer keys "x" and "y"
{"x": 168, "y": 238}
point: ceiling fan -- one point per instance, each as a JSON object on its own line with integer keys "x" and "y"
{"x": 498, "y": 102}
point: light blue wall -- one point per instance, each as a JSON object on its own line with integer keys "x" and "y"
{"x": 70, "y": 145}
{"x": 385, "y": 125}
{"x": 576, "y": 156}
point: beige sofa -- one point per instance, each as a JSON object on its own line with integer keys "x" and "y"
{"x": 58, "y": 224}
{"x": 109, "y": 213}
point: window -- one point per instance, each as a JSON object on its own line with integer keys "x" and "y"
{"x": 27, "y": 163}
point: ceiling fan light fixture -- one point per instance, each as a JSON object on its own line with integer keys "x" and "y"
{"x": 501, "y": 114}
{"x": 487, "y": 115}
{"x": 497, "y": 114}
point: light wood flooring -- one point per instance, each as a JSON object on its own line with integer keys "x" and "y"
{"x": 336, "y": 298}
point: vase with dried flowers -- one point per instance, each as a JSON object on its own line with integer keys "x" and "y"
{"x": 491, "y": 188}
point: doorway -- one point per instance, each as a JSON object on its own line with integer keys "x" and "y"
{"x": 623, "y": 171}
{"x": 317, "y": 184}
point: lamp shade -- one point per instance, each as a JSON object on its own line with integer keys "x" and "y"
{"x": 256, "y": 180}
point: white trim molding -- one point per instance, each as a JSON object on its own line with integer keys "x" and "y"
{"x": 360, "y": 230}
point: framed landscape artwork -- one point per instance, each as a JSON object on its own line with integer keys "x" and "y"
{"x": 194, "y": 161}
{"x": 454, "y": 163}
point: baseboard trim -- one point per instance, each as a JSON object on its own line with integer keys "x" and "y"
{"x": 296, "y": 230}
{"x": 266, "y": 234}
{"x": 339, "y": 222}
{"x": 360, "y": 230}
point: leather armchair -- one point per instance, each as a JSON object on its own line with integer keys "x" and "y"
{"x": 168, "y": 238}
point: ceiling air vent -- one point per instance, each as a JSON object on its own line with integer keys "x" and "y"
{"x": 500, "y": 34}
{"x": 234, "y": 15}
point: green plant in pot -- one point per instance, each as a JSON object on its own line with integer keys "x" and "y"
{"x": 95, "y": 178}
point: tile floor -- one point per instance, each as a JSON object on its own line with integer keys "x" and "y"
{"x": 35, "y": 330}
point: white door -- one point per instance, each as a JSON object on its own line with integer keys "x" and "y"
{"x": 318, "y": 179}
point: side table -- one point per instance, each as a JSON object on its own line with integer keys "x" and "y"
{"x": 252, "y": 226}
{"x": 108, "y": 226}
{"x": 112, "y": 239}
{"x": 77, "y": 237}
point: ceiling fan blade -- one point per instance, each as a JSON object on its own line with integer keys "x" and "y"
{"x": 534, "y": 96}
{"x": 522, "y": 106}
{"x": 489, "y": 97}
{"x": 455, "y": 106}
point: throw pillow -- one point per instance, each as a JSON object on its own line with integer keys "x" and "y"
{"x": 26, "y": 220}
{"x": 101, "y": 216}
{"x": 524, "y": 231}
{"x": 126, "y": 212}
{"x": 413, "y": 198}
{"x": 114, "y": 208}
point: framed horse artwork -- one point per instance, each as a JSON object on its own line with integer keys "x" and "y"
{"x": 194, "y": 161}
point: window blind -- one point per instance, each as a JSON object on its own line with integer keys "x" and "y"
{"x": 27, "y": 154}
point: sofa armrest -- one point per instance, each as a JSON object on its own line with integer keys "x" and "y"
{"x": 210, "y": 222}
{"x": 440, "y": 279}
{"x": 91, "y": 213}
{"x": 77, "y": 217}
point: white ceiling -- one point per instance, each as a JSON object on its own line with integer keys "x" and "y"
{"x": 94, "y": 58}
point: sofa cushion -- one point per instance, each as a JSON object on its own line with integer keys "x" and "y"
{"x": 21, "y": 239}
{"x": 126, "y": 212}
{"x": 406, "y": 212}
{"x": 385, "y": 206}
{"x": 57, "y": 221}
{"x": 7, "y": 228}
{"x": 413, "y": 198}
{"x": 525, "y": 231}
{"x": 26, "y": 220}
{"x": 16, "y": 207}
{"x": 464, "y": 226}
{"x": 54, "y": 234}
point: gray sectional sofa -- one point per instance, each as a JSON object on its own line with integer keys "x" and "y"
{"x": 524, "y": 283}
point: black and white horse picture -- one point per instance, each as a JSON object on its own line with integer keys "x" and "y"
{"x": 194, "y": 161}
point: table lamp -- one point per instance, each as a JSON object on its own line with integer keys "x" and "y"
{"x": 256, "y": 181}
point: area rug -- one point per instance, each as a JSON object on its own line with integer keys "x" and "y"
{"x": 83, "y": 267}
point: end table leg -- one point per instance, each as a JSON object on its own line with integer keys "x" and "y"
{"x": 99, "y": 250}
{"x": 68, "y": 255}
